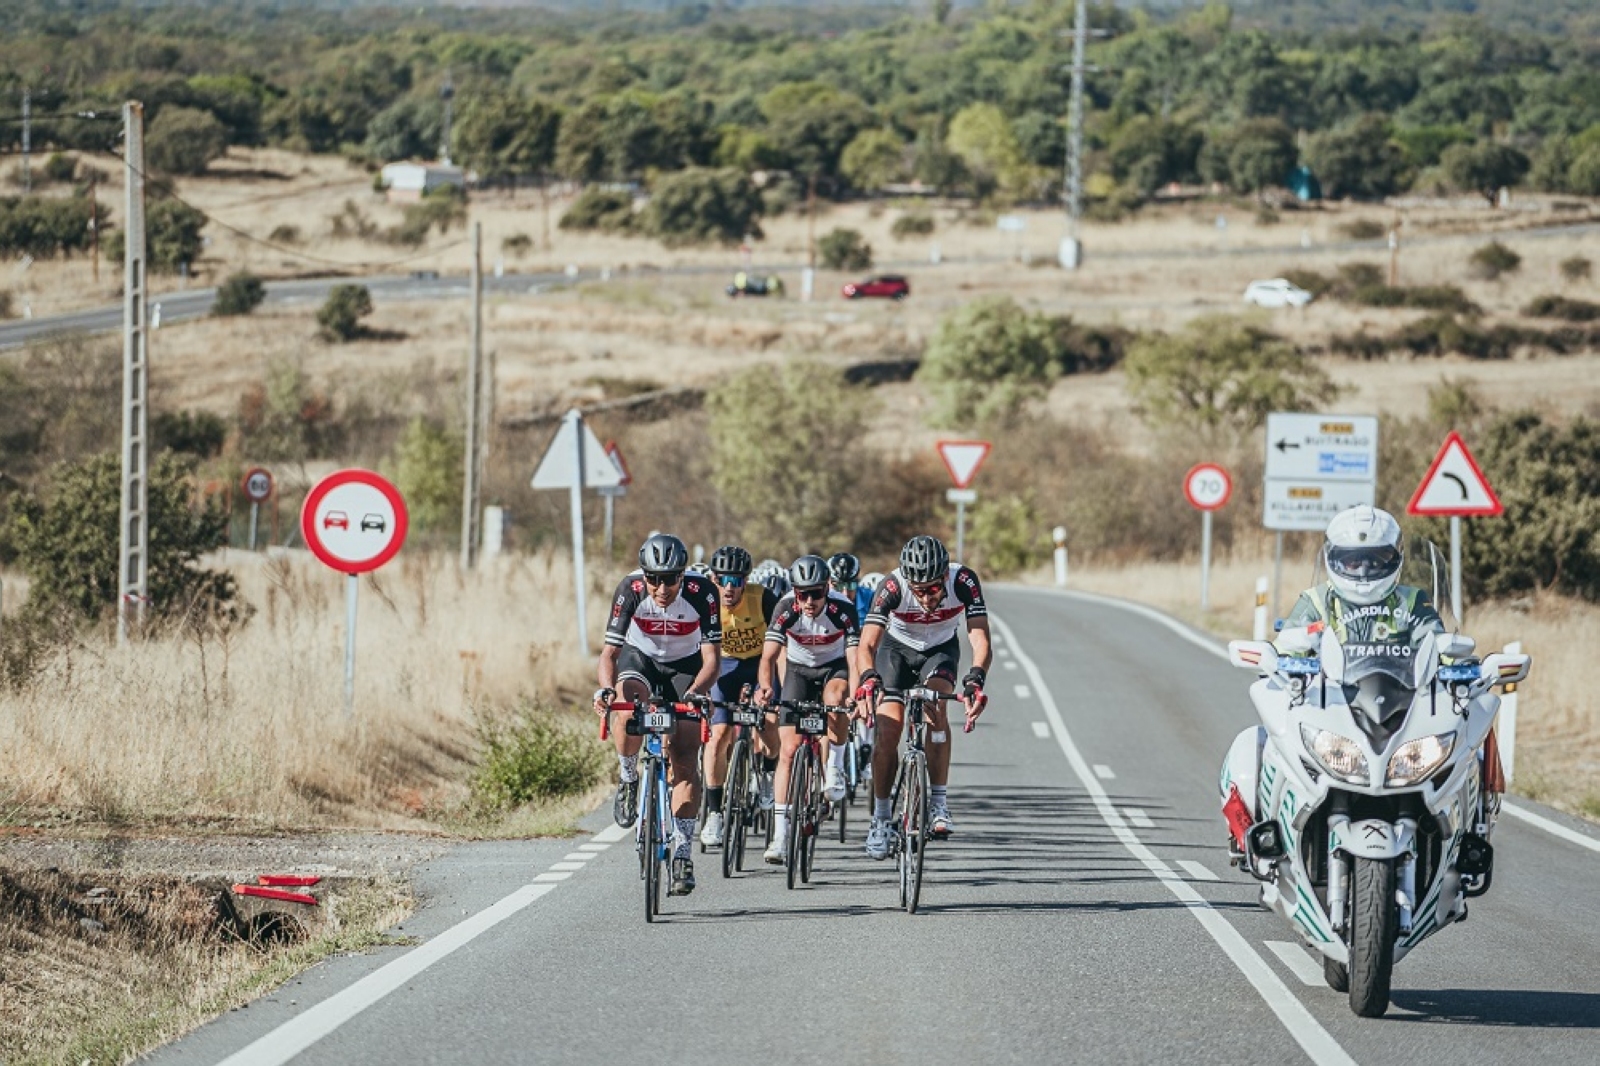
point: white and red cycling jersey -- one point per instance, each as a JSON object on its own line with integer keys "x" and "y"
{"x": 919, "y": 627}
{"x": 815, "y": 641}
{"x": 665, "y": 633}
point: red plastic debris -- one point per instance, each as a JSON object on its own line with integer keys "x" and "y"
{"x": 288, "y": 880}
{"x": 274, "y": 893}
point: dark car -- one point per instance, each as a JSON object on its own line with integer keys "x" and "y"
{"x": 887, "y": 286}
{"x": 750, "y": 285}
{"x": 373, "y": 521}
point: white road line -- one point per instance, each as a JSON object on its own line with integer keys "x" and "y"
{"x": 593, "y": 848}
{"x": 612, "y": 833}
{"x": 566, "y": 866}
{"x": 578, "y": 856}
{"x": 1022, "y": 692}
{"x": 1197, "y": 871}
{"x": 1318, "y": 1044}
{"x": 1140, "y": 819}
{"x": 1294, "y": 956}
{"x": 1553, "y": 828}
{"x": 1041, "y": 730}
{"x": 1104, "y": 772}
{"x": 1009, "y": 664}
{"x": 554, "y": 875}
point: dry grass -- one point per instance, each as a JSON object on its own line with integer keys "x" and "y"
{"x": 250, "y": 729}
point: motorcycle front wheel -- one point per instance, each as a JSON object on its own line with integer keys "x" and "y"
{"x": 1374, "y": 924}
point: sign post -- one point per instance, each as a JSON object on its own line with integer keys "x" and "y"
{"x": 1454, "y": 487}
{"x": 354, "y": 521}
{"x": 962, "y": 458}
{"x": 611, "y": 492}
{"x": 1207, "y": 487}
{"x": 575, "y": 461}
{"x": 258, "y": 490}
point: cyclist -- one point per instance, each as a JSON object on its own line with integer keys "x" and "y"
{"x": 664, "y": 639}
{"x": 909, "y": 639}
{"x": 869, "y": 584}
{"x": 819, "y": 630}
{"x": 746, "y": 611}
{"x": 845, "y": 579}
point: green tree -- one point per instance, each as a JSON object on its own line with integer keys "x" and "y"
{"x": 429, "y": 465}
{"x": 1261, "y": 155}
{"x": 986, "y": 360}
{"x": 844, "y": 249}
{"x": 1357, "y": 160}
{"x": 407, "y": 129}
{"x": 66, "y": 540}
{"x": 607, "y": 210}
{"x": 761, "y": 420}
{"x": 184, "y": 140}
{"x": 812, "y": 123}
{"x": 701, "y": 206}
{"x": 504, "y": 134}
{"x": 283, "y": 417}
{"x": 874, "y": 159}
{"x": 172, "y": 236}
{"x": 1483, "y": 167}
{"x": 1149, "y": 152}
{"x": 239, "y": 295}
{"x": 339, "y": 318}
{"x": 1220, "y": 377}
{"x": 981, "y": 136}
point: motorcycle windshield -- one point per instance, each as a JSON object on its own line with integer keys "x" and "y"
{"x": 1379, "y": 685}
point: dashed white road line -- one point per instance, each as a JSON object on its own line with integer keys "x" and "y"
{"x": 1041, "y": 730}
{"x": 553, "y": 875}
{"x": 1009, "y": 664}
{"x": 1104, "y": 772}
{"x": 568, "y": 866}
{"x": 593, "y": 848}
{"x": 1140, "y": 819}
{"x": 1318, "y": 1044}
{"x": 1022, "y": 692}
{"x": 1299, "y": 963}
{"x": 578, "y": 856}
{"x": 1197, "y": 871}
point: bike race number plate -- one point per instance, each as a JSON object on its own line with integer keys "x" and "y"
{"x": 812, "y": 724}
{"x": 657, "y": 722}
{"x": 745, "y": 717}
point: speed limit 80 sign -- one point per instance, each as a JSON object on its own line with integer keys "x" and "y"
{"x": 258, "y": 485}
{"x": 1207, "y": 486}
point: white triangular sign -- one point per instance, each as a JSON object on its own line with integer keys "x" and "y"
{"x": 558, "y": 468}
{"x": 1454, "y": 485}
{"x": 962, "y": 458}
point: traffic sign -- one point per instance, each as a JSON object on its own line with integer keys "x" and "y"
{"x": 1310, "y": 447}
{"x": 354, "y": 521}
{"x": 1308, "y": 506}
{"x": 257, "y": 485}
{"x": 1207, "y": 486}
{"x": 614, "y": 453}
{"x": 963, "y": 458}
{"x": 558, "y": 468}
{"x": 1454, "y": 486}
{"x": 961, "y": 495}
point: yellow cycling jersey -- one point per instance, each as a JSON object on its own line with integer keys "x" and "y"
{"x": 744, "y": 627}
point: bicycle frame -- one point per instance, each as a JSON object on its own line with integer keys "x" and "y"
{"x": 654, "y": 825}
{"x": 807, "y": 812}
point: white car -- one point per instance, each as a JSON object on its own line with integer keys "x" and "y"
{"x": 1279, "y": 292}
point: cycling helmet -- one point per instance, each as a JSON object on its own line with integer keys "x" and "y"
{"x": 700, "y": 569}
{"x": 845, "y": 568}
{"x": 924, "y": 559}
{"x": 731, "y": 559}
{"x": 1362, "y": 553}
{"x": 663, "y": 554}
{"x": 776, "y": 583}
{"x": 809, "y": 572}
{"x": 871, "y": 581}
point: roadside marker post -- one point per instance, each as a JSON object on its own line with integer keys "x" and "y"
{"x": 1207, "y": 487}
{"x": 1454, "y": 487}
{"x": 1258, "y": 630}
{"x": 354, "y": 521}
{"x": 1059, "y": 535}
{"x": 962, "y": 458}
{"x": 1506, "y": 730}
{"x": 575, "y": 461}
{"x": 258, "y": 486}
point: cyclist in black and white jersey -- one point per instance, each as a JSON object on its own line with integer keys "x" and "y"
{"x": 663, "y": 640}
{"x": 908, "y": 639}
{"x": 818, "y": 630}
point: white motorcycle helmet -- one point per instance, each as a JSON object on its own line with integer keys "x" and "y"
{"x": 1363, "y": 556}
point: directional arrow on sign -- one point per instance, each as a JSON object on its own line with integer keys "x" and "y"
{"x": 1454, "y": 485}
{"x": 1285, "y": 444}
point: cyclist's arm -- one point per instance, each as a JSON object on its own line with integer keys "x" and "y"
{"x": 767, "y": 672}
{"x": 852, "y": 643}
{"x": 623, "y": 603}
{"x": 608, "y": 665}
{"x": 703, "y": 595}
{"x": 978, "y": 634}
{"x": 710, "y": 669}
{"x": 867, "y": 650}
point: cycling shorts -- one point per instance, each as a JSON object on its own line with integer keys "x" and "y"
{"x": 903, "y": 666}
{"x": 736, "y": 673}
{"x": 805, "y": 683}
{"x": 667, "y": 680}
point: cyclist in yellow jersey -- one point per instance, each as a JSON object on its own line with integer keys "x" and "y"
{"x": 746, "y": 612}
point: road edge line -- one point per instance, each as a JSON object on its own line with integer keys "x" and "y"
{"x": 1318, "y": 1044}
{"x": 1550, "y": 826}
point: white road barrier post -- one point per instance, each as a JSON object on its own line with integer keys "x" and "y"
{"x": 1258, "y": 631}
{"x": 1059, "y": 535}
{"x": 1506, "y": 733}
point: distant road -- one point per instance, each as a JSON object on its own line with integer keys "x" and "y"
{"x": 196, "y": 303}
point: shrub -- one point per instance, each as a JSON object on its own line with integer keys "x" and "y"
{"x": 1492, "y": 260}
{"x": 285, "y": 233}
{"x": 339, "y": 318}
{"x": 429, "y": 466}
{"x": 5, "y": 304}
{"x": 1008, "y": 535}
{"x": 60, "y": 168}
{"x": 607, "y": 210}
{"x": 239, "y": 295}
{"x": 171, "y": 233}
{"x": 1363, "y": 229}
{"x": 518, "y": 244}
{"x": 532, "y": 756}
{"x": 184, "y": 140}
{"x": 197, "y": 433}
{"x": 986, "y": 360}
{"x": 45, "y": 227}
{"x": 1576, "y": 268}
{"x": 912, "y": 224}
{"x": 845, "y": 249}
{"x": 1561, "y": 307}
{"x": 700, "y": 205}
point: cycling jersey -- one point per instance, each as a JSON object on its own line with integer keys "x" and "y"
{"x": 819, "y": 640}
{"x": 744, "y": 626}
{"x": 665, "y": 633}
{"x": 863, "y": 601}
{"x": 920, "y": 628}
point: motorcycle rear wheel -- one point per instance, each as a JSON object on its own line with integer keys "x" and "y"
{"x": 1337, "y": 974}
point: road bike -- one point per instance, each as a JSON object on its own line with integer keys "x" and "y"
{"x": 912, "y": 798}
{"x": 857, "y": 768}
{"x": 808, "y": 807}
{"x": 654, "y": 826}
{"x": 742, "y": 812}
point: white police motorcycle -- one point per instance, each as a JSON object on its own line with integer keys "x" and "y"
{"x": 1359, "y": 800}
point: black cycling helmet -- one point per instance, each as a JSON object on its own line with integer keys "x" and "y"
{"x": 809, "y": 572}
{"x": 663, "y": 553}
{"x": 776, "y": 582}
{"x": 845, "y": 568}
{"x": 924, "y": 559}
{"x": 731, "y": 559}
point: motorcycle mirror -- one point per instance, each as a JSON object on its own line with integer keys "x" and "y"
{"x": 1504, "y": 668}
{"x": 1332, "y": 655}
{"x": 1257, "y": 655}
{"x": 1456, "y": 646}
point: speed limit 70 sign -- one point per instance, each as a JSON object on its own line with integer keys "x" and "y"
{"x": 1207, "y": 486}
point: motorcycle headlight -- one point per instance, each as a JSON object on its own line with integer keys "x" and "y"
{"x": 1339, "y": 755}
{"x": 1418, "y": 758}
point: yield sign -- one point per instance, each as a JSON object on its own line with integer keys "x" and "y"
{"x": 1454, "y": 486}
{"x": 962, "y": 458}
{"x": 559, "y": 467}
{"x": 619, "y": 462}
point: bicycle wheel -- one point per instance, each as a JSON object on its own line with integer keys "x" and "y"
{"x": 733, "y": 806}
{"x": 917, "y": 811}
{"x": 844, "y": 807}
{"x": 897, "y": 823}
{"x": 650, "y": 819}
{"x": 700, "y": 777}
{"x": 852, "y": 774}
{"x": 799, "y": 784}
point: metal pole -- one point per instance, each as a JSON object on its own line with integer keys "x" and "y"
{"x": 255, "y": 512}
{"x": 351, "y": 587}
{"x": 472, "y": 488}
{"x": 1277, "y": 579}
{"x": 610, "y": 507}
{"x": 133, "y": 561}
{"x": 1074, "y": 190}
{"x": 27, "y": 138}
{"x": 1205, "y": 560}
{"x": 1455, "y": 571}
{"x": 576, "y": 418}
{"x": 961, "y": 530}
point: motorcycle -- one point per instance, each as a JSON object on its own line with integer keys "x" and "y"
{"x": 1360, "y": 800}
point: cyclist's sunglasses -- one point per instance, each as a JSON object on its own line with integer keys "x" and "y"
{"x": 928, "y": 589}
{"x": 654, "y": 580}
{"x": 810, "y": 594}
{"x": 730, "y": 581}
{"x": 847, "y": 587}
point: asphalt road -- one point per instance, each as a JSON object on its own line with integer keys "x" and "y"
{"x": 1084, "y": 912}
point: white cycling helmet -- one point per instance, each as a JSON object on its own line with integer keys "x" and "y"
{"x": 1362, "y": 553}
{"x": 871, "y": 581}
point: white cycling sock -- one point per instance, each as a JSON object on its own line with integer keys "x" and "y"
{"x": 836, "y": 757}
{"x": 940, "y": 795}
{"x": 630, "y": 767}
{"x": 781, "y": 828}
{"x": 683, "y": 837}
{"x": 882, "y": 808}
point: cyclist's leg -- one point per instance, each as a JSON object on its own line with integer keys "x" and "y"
{"x": 683, "y": 764}
{"x": 939, "y": 674}
{"x": 834, "y": 693}
{"x": 637, "y": 677}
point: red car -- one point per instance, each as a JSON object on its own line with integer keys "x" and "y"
{"x": 888, "y": 286}
{"x": 336, "y": 520}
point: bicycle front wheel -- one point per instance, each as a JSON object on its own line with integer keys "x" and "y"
{"x": 913, "y": 824}
{"x": 799, "y": 788}
{"x": 650, "y": 819}
{"x": 733, "y": 807}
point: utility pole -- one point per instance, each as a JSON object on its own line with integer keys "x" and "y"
{"x": 27, "y": 137}
{"x": 447, "y": 93}
{"x": 94, "y": 224}
{"x": 133, "y": 575}
{"x": 1071, "y": 255}
{"x": 472, "y": 485}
